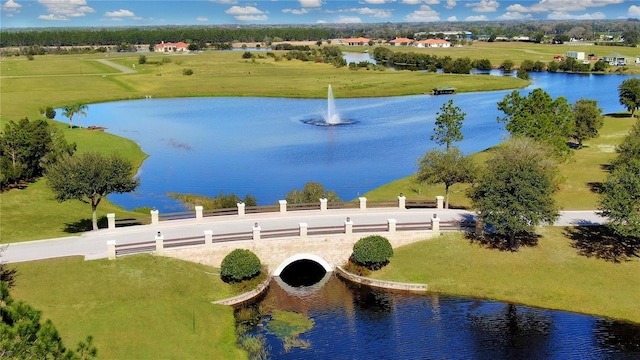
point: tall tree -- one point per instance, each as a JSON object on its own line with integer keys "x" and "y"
{"x": 89, "y": 177}
{"x": 515, "y": 193}
{"x": 539, "y": 117}
{"x": 588, "y": 120}
{"x": 629, "y": 148}
{"x": 448, "y": 167}
{"x": 311, "y": 193}
{"x": 448, "y": 125}
{"x": 81, "y": 109}
{"x": 620, "y": 200}
{"x": 629, "y": 94}
{"x": 70, "y": 110}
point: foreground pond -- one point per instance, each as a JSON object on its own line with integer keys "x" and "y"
{"x": 339, "y": 320}
{"x": 264, "y": 148}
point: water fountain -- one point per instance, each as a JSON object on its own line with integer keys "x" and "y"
{"x": 332, "y": 117}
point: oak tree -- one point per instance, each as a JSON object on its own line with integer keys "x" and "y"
{"x": 448, "y": 125}
{"x": 629, "y": 94}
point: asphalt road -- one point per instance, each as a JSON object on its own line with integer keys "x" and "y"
{"x": 93, "y": 245}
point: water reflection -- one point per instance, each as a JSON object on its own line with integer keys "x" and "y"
{"x": 357, "y": 322}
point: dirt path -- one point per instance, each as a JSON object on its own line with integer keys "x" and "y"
{"x": 121, "y": 68}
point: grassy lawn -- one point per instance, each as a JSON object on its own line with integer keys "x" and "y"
{"x": 141, "y": 307}
{"x": 580, "y": 175}
{"x": 550, "y": 275}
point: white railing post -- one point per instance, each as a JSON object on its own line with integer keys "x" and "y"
{"x": 323, "y": 204}
{"x": 208, "y": 237}
{"x": 159, "y": 243}
{"x": 303, "y": 230}
{"x": 391, "y": 225}
{"x": 111, "y": 249}
{"x": 256, "y": 232}
{"x": 283, "y": 206}
{"x": 199, "y": 212}
{"x": 111, "y": 221}
{"x": 363, "y": 202}
{"x": 348, "y": 226}
{"x": 155, "y": 217}
{"x": 435, "y": 225}
{"x": 240, "y": 209}
{"x": 402, "y": 202}
{"x": 440, "y": 202}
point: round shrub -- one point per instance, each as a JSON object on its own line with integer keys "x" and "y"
{"x": 372, "y": 252}
{"x": 239, "y": 265}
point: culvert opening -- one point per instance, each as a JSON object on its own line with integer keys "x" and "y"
{"x": 302, "y": 273}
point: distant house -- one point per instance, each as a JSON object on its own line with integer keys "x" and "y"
{"x": 432, "y": 43}
{"x": 616, "y": 59}
{"x": 360, "y": 41}
{"x": 172, "y": 47}
{"x": 578, "y": 55}
{"x": 401, "y": 42}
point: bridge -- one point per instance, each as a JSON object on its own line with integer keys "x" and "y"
{"x": 279, "y": 238}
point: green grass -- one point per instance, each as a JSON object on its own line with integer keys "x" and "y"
{"x": 550, "y": 275}
{"x": 141, "y": 307}
{"x": 580, "y": 175}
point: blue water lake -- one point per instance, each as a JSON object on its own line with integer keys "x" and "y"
{"x": 262, "y": 147}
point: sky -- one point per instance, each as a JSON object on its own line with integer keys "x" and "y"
{"x": 104, "y": 13}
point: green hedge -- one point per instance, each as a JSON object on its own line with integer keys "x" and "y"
{"x": 240, "y": 265}
{"x": 372, "y": 252}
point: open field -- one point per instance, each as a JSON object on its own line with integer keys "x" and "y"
{"x": 550, "y": 275}
{"x": 137, "y": 307}
{"x": 579, "y": 175}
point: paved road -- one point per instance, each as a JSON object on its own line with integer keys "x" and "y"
{"x": 92, "y": 245}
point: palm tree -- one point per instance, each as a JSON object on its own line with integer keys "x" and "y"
{"x": 68, "y": 111}
{"x": 80, "y": 110}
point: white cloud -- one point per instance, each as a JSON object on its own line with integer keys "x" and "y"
{"x": 378, "y": 2}
{"x": 452, "y": 18}
{"x": 65, "y": 9}
{"x": 348, "y": 20}
{"x": 310, "y": 3}
{"x": 228, "y": 2}
{"x": 451, "y": 4}
{"x": 633, "y": 11}
{"x": 514, "y": 15}
{"x": 376, "y": 13}
{"x": 423, "y": 14}
{"x": 295, "y": 11}
{"x": 321, "y": 22}
{"x": 562, "y": 6}
{"x": 484, "y": 6}
{"x": 11, "y": 7}
{"x": 202, "y": 19}
{"x": 120, "y": 13}
{"x": 476, "y": 18}
{"x": 559, "y": 15}
{"x": 418, "y": 2}
{"x": 244, "y": 10}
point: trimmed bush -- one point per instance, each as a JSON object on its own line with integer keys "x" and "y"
{"x": 239, "y": 265}
{"x": 372, "y": 252}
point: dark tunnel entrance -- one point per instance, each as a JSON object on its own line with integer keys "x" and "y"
{"x": 302, "y": 273}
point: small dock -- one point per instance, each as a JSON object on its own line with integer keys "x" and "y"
{"x": 444, "y": 90}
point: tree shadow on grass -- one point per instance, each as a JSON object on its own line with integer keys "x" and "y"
{"x": 84, "y": 225}
{"x": 501, "y": 242}
{"x": 603, "y": 243}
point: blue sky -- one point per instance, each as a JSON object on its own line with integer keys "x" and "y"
{"x": 80, "y": 13}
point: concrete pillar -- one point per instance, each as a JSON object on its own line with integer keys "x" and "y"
{"x": 323, "y": 204}
{"x": 111, "y": 249}
{"x": 391, "y": 225}
{"x": 111, "y": 221}
{"x": 240, "y": 209}
{"x": 155, "y": 217}
{"x": 435, "y": 225}
{"x": 159, "y": 243}
{"x": 256, "y": 232}
{"x": 303, "y": 230}
{"x": 199, "y": 213}
{"x": 283, "y": 206}
{"x": 440, "y": 202}
{"x": 348, "y": 226}
{"x": 363, "y": 202}
{"x": 208, "y": 237}
{"x": 402, "y": 201}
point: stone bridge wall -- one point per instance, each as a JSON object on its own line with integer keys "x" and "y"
{"x": 335, "y": 249}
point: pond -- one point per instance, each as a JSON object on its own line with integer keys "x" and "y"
{"x": 340, "y": 320}
{"x": 264, "y": 148}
